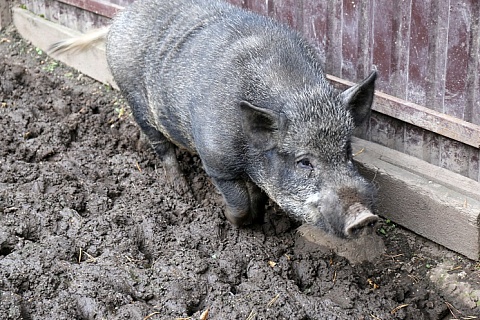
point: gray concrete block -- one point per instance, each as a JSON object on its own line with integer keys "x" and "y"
{"x": 431, "y": 201}
{"x": 43, "y": 33}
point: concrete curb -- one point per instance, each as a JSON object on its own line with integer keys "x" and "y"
{"x": 433, "y": 202}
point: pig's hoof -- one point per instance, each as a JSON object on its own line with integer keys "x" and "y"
{"x": 239, "y": 218}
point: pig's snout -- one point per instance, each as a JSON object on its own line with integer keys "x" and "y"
{"x": 358, "y": 218}
{"x": 346, "y": 219}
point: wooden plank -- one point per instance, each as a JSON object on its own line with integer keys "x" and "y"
{"x": 422, "y": 117}
{"x": 414, "y": 141}
{"x": 51, "y": 10}
{"x": 315, "y": 25}
{"x": 387, "y": 131}
{"x": 431, "y": 147}
{"x": 472, "y": 107}
{"x": 263, "y": 7}
{"x": 121, "y": 3}
{"x": 101, "y": 7}
{"x": 418, "y": 53}
{"x": 437, "y": 53}
{"x": 69, "y": 16}
{"x": 473, "y": 162}
{"x": 350, "y": 35}
{"x": 333, "y": 45}
{"x": 401, "y": 22}
{"x": 289, "y": 12}
{"x": 382, "y": 50}
{"x": 365, "y": 39}
{"x": 418, "y": 141}
{"x": 238, "y": 3}
{"x": 457, "y": 62}
{"x": 454, "y": 157}
{"x": 428, "y": 119}
{"x": 363, "y": 12}
{"x": 38, "y": 7}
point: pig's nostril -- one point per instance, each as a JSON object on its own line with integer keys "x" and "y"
{"x": 365, "y": 221}
{"x": 356, "y": 230}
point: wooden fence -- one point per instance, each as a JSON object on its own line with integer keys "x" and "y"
{"x": 427, "y": 54}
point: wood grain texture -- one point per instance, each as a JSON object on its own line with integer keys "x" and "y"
{"x": 104, "y": 8}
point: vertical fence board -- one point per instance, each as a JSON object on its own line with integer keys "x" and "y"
{"x": 437, "y": 53}
{"x": 315, "y": 25}
{"x": 239, "y": 3}
{"x": 51, "y": 10}
{"x": 457, "y": 63}
{"x": 333, "y": 45}
{"x": 289, "y": 12}
{"x": 417, "y": 68}
{"x": 454, "y": 157}
{"x": 401, "y": 22}
{"x": 418, "y": 142}
{"x": 365, "y": 38}
{"x": 432, "y": 147}
{"x": 414, "y": 141}
{"x": 68, "y": 18}
{"x": 351, "y": 17}
{"x": 258, "y": 6}
{"x": 382, "y": 50}
{"x": 473, "y": 164}
{"x": 35, "y": 6}
{"x": 387, "y": 131}
{"x": 472, "y": 108}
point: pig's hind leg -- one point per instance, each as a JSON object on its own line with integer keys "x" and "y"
{"x": 245, "y": 201}
{"x": 164, "y": 149}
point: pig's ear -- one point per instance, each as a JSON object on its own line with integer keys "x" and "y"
{"x": 359, "y": 98}
{"x": 260, "y": 126}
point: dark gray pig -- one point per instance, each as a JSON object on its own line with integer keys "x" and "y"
{"x": 247, "y": 95}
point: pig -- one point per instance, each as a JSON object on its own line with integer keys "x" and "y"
{"x": 247, "y": 95}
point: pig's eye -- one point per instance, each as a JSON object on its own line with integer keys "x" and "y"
{"x": 305, "y": 164}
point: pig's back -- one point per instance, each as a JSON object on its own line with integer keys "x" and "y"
{"x": 149, "y": 51}
{"x": 189, "y": 63}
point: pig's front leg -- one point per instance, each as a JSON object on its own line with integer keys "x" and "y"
{"x": 245, "y": 201}
{"x": 166, "y": 151}
{"x": 258, "y": 200}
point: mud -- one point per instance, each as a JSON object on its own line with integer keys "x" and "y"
{"x": 89, "y": 229}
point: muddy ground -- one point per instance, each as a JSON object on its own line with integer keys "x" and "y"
{"x": 89, "y": 229}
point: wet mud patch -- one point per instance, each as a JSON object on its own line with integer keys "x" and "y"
{"x": 90, "y": 229}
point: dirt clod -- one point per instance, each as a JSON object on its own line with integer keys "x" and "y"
{"x": 368, "y": 247}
